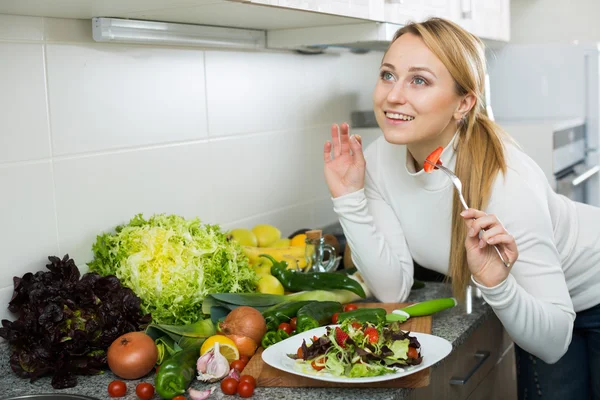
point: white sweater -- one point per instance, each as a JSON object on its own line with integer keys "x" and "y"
{"x": 403, "y": 215}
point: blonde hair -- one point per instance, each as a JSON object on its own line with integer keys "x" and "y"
{"x": 479, "y": 148}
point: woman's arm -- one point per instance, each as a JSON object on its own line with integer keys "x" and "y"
{"x": 533, "y": 303}
{"x": 374, "y": 234}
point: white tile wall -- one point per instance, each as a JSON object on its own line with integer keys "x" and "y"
{"x": 91, "y": 134}
{"x": 24, "y": 117}
{"x": 106, "y": 97}
{"x": 28, "y": 219}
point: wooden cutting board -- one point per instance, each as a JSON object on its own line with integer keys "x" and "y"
{"x": 267, "y": 376}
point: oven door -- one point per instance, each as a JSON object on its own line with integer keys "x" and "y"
{"x": 573, "y": 182}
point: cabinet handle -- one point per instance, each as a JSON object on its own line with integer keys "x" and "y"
{"x": 466, "y": 7}
{"x": 480, "y": 356}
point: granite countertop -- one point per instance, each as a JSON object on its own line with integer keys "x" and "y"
{"x": 455, "y": 325}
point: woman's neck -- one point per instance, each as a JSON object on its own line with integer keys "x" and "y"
{"x": 420, "y": 150}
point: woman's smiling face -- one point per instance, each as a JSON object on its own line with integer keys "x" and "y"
{"x": 415, "y": 99}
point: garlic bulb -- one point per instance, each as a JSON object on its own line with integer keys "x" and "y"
{"x": 212, "y": 366}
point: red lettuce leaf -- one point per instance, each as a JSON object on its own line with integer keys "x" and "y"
{"x": 67, "y": 322}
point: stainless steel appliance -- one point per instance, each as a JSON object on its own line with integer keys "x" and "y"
{"x": 556, "y": 81}
{"x": 571, "y": 174}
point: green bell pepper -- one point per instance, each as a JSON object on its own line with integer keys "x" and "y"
{"x": 295, "y": 281}
{"x": 176, "y": 373}
{"x": 316, "y": 314}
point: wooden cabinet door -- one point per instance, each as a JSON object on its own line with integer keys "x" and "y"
{"x": 500, "y": 383}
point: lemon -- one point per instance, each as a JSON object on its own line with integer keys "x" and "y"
{"x": 226, "y": 347}
{"x": 268, "y": 284}
{"x": 299, "y": 240}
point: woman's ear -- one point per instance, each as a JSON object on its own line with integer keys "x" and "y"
{"x": 466, "y": 103}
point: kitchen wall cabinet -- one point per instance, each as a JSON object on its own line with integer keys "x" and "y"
{"x": 290, "y": 23}
{"x": 488, "y": 19}
{"x": 486, "y": 359}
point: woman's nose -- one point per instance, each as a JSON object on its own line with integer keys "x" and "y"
{"x": 397, "y": 94}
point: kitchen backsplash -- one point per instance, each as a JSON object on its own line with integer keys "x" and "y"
{"x": 92, "y": 134}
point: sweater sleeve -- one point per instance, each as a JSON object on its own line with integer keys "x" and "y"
{"x": 533, "y": 304}
{"x": 379, "y": 248}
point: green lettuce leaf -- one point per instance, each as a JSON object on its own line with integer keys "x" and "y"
{"x": 172, "y": 263}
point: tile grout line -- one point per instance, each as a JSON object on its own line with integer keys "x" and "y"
{"x": 150, "y": 147}
{"x": 52, "y": 171}
{"x": 276, "y": 210}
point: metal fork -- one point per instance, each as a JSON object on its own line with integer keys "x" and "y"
{"x": 458, "y": 186}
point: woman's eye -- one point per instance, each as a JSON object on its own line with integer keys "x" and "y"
{"x": 386, "y": 76}
{"x": 417, "y": 80}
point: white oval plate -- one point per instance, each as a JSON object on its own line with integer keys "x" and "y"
{"x": 433, "y": 349}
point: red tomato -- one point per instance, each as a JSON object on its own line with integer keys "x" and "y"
{"x": 180, "y": 397}
{"x": 248, "y": 378}
{"x": 334, "y": 318}
{"x": 284, "y": 326}
{"x": 117, "y": 389}
{"x": 434, "y": 157}
{"x": 144, "y": 390}
{"x": 229, "y": 386}
{"x": 319, "y": 363}
{"x": 356, "y": 325}
{"x": 372, "y": 334}
{"x": 245, "y": 389}
{"x": 244, "y": 359}
{"x": 350, "y": 307}
{"x": 412, "y": 352}
{"x": 299, "y": 353}
{"x": 238, "y": 365}
{"x": 293, "y": 323}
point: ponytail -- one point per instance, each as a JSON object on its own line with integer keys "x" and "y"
{"x": 479, "y": 157}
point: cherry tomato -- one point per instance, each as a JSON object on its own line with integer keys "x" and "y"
{"x": 356, "y": 325}
{"x": 299, "y": 353}
{"x": 248, "y": 378}
{"x": 245, "y": 389}
{"x": 372, "y": 334}
{"x": 319, "y": 363}
{"x": 293, "y": 323}
{"x": 229, "y": 386}
{"x": 180, "y": 397}
{"x": 238, "y": 365}
{"x": 244, "y": 359}
{"x": 350, "y": 307}
{"x": 144, "y": 390}
{"x": 412, "y": 352}
{"x": 334, "y": 318}
{"x": 284, "y": 326}
{"x": 117, "y": 389}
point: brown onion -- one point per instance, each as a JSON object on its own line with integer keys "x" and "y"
{"x": 245, "y": 321}
{"x": 245, "y": 345}
{"x": 132, "y": 355}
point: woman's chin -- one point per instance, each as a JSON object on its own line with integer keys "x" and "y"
{"x": 396, "y": 137}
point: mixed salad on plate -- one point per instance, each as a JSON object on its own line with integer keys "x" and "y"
{"x": 359, "y": 349}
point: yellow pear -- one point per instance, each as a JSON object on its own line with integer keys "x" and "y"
{"x": 268, "y": 284}
{"x": 245, "y": 237}
{"x": 266, "y": 234}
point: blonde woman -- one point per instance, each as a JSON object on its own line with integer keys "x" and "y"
{"x": 429, "y": 94}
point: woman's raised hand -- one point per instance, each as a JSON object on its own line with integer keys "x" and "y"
{"x": 345, "y": 166}
{"x": 485, "y": 265}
